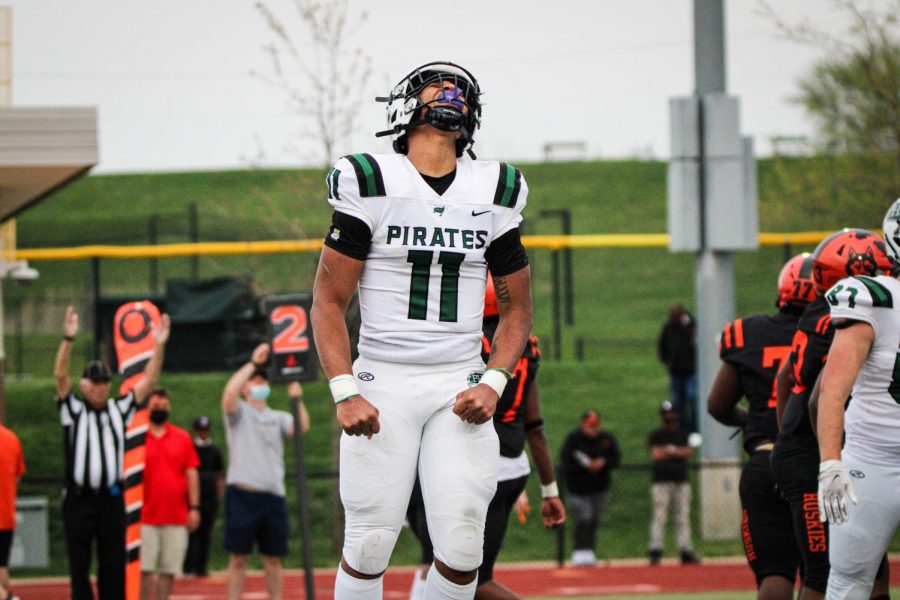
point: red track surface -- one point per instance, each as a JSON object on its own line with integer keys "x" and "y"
{"x": 536, "y": 579}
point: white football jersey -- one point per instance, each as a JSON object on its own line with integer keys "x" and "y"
{"x": 872, "y": 421}
{"x": 421, "y": 291}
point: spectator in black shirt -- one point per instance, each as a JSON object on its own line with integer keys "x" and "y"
{"x": 588, "y": 455}
{"x": 678, "y": 351}
{"x": 212, "y": 486}
{"x": 671, "y": 490}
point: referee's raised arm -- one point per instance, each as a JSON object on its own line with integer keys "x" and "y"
{"x": 64, "y": 354}
{"x": 154, "y": 365}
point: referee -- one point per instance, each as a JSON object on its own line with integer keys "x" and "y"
{"x": 94, "y": 432}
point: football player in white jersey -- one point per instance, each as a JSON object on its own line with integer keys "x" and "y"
{"x": 858, "y": 484}
{"x": 416, "y": 232}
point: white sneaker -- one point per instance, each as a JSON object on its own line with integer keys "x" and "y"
{"x": 583, "y": 558}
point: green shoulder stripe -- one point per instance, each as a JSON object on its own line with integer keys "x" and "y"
{"x": 368, "y": 174}
{"x": 508, "y": 185}
{"x": 881, "y": 296}
{"x": 332, "y": 181}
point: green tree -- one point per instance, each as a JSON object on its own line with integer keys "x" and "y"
{"x": 853, "y": 95}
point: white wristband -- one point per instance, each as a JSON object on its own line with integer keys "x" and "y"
{"x": 551, "y": 490}
{"x": 343, "y": 387}
{"x": 494, "y": 379}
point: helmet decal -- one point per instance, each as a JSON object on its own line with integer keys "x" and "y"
{"x": 846, "y": 253}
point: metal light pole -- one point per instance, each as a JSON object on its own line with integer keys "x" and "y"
{"x": 712, "y": 212}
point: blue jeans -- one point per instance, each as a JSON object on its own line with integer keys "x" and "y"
{"x": 683, "y": 392}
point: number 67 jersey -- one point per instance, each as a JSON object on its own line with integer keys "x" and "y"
{"x": 421, "y": 291}
{"x": 872, "y": 420}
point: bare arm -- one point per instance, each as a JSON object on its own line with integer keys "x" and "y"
{"x": 553, "y": 512}
{"x": 845, "y": 358}
{"x": 336, "y": 281}
{"x": 64, "y": 354}
{"x": 516, "y": 315}
{"x": 193, "y": 481}
{"x": 154, "y": 365}
{"x": 477, "y": 405}
{"x": 724, "y": 396}
{"x": 295, "y": 392}
{"x": 537, "y": 441}
{"x": 231, "y": 396}
{"x": 666, "y": 453}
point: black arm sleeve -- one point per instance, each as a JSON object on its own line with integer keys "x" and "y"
{"x": 506, "y": 254}
{"x": 349, "y": 236}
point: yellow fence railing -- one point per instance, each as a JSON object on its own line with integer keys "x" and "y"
{"x": 545, "y": 242}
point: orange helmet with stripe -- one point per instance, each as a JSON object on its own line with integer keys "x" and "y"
{"x": 491, "y": 309}
{"x": 795, "y": 282}
{"x": 848, "y": 252}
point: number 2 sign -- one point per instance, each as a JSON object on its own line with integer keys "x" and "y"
{"x": 293, "y": 349}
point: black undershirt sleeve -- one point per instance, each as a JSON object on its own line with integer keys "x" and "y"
{"x": 349, "y": 235}
{"x": 506, "y": 254}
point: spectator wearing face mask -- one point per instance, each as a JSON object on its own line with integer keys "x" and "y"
{"x": 255, "y": 509}
{"x": 171, "y": 506}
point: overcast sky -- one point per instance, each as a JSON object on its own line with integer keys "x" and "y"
{"x": 171, "y": 78}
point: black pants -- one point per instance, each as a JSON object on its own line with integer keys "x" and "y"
{"x": 796, "y": 473}
{"x": 197, "y": 557}
{"x": 89, "y": 516}
{"x": 495, "y": 525}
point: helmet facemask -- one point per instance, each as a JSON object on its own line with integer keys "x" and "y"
{"x": 454, "y": 109}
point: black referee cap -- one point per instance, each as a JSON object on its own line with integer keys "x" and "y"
{"x": 96, "y": 371}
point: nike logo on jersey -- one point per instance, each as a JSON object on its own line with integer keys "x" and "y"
{"x": 478, "y": 214}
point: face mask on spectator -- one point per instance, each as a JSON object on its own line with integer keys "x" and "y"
{"x": 159, "y": 415}
{"x": 260, "y": 392}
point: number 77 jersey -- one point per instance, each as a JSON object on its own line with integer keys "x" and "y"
{"x": 421, "y": 290}
{"x": 756, "y": 347}
{"x": 872, "y": 421}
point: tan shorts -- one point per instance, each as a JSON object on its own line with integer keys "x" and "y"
{"x": 163, "y": 548}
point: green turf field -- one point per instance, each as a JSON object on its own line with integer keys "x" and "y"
{"x": 620, "y": 303}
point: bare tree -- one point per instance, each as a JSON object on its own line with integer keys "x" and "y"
{"x": 323, "y": 79}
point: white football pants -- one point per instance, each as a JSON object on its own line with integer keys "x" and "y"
{"x": 855, "y": 548}
{"x": 457, "y": 465}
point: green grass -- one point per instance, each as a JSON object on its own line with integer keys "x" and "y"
{"x": 620, "y": 299}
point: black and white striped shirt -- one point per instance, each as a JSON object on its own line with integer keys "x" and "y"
{"x": 95, "y": 440}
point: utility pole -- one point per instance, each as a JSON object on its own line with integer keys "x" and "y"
{"x": 712, "y": 212}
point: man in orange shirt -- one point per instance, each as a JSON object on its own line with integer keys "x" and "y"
{"x": 12, "y": 466}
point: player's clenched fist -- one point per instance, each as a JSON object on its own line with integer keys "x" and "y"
{"x": 476, "y": 405}
{"x": 358, "y": 417}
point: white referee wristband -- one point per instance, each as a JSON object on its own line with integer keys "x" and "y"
{"x": 343, "y": 387}
{"x": 495, "y": 379}
{"x": 551, "y": 490}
